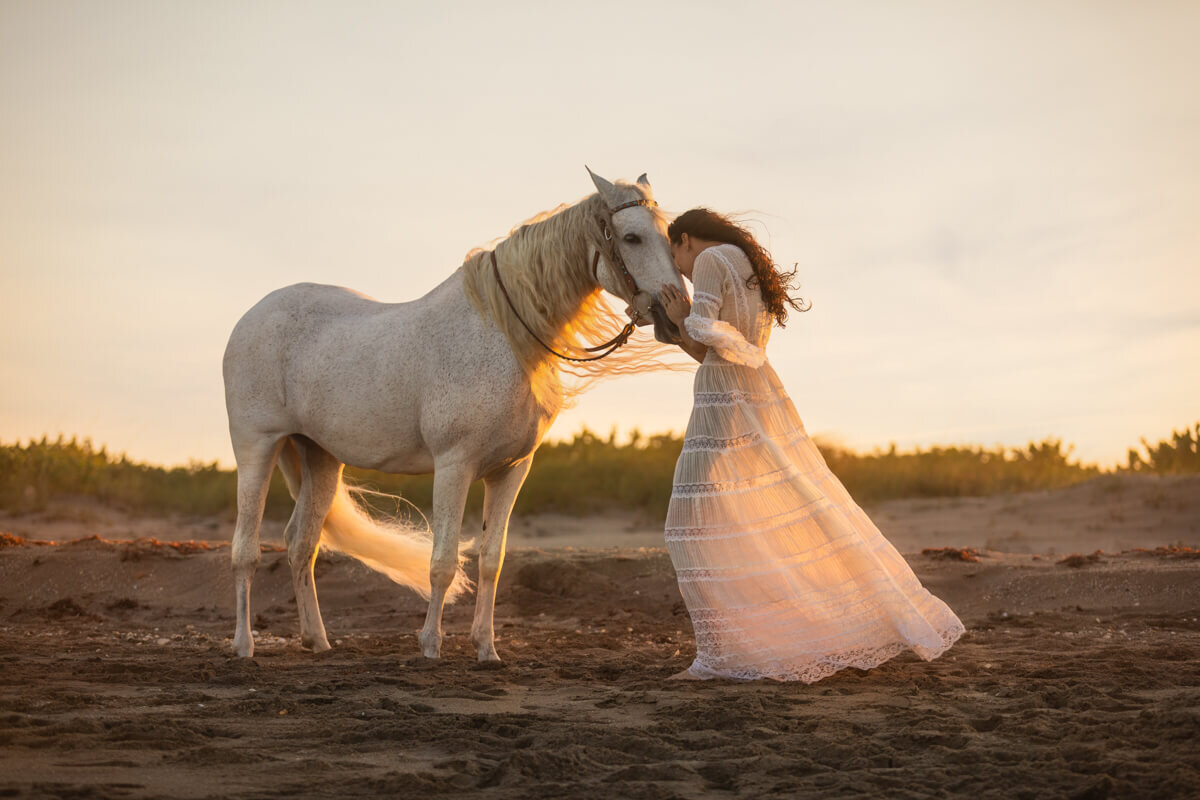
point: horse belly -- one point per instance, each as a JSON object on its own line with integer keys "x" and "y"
{"x": 363, "y": 419}
{"x": 492, "y": 425}
{"x": 388, "y": 447}
{"x": 483, "y": 424}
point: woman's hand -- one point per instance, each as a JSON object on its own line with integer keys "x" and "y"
{"x": 675, "y": 302}
{"x": 677, "y": 305}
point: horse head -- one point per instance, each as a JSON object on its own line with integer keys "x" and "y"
{"x": 634, "y": 254}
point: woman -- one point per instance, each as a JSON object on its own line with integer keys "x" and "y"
{"x": 784, "y": 576}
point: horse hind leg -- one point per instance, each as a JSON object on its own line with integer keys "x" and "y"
{"x": 319, "y": 476}
{"x": 254, "y": 466}
{"x": 500, "y": 492}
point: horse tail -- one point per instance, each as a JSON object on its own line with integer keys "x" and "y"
{"x": 400, "y": 550}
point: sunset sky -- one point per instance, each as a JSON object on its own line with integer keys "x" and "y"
{"x": 995, "y": 207}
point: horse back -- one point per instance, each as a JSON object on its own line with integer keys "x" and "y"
{"x": 391, "y": 386}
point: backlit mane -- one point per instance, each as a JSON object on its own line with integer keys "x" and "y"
{"x": 545, "y": 263}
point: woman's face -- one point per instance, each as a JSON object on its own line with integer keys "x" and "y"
{"x": 684, "y": 252}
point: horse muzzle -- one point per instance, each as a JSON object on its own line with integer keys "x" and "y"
{"x": 665, "y": 330}
{"x": 645, "y": 309}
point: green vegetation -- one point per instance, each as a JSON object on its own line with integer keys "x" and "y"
{"x": 956, "y": 471}
{"x": 585, "y": 474}
{"x": 1178, "y": 456}
{"x": 31, "y": 475}
{"x": 582, "y": 476}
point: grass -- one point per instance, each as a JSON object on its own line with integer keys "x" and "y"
{"x": 1178, "y": 455}
{"x": 583, "y": 475}
{"x": 956, "y": 471}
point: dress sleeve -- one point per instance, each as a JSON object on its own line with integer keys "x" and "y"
{"x": 711, "y": 287}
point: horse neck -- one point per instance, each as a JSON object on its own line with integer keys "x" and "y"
{"x": 545, "y": 266}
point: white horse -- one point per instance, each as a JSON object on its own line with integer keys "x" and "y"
{"x": 455, "y": 383}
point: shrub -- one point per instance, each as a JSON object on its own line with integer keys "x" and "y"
{"x": 1180, "y": 454}
{"x": 582, "y": 475}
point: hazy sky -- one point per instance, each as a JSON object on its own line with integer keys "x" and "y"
{"x": 995, "y": 207}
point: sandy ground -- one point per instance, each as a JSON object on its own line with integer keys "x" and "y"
{"x": 1077, "y": 678}
{"x": 1111, "y": 513}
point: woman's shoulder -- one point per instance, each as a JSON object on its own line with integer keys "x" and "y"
{"x": 727, "y": 255}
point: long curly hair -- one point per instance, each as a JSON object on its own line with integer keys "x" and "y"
{"x": 774, "y": 284}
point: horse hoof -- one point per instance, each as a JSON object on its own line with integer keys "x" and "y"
{"x": 431, "y": 647}
{"x": 489, "y": 666}
{"x": 243, "y": 649}
{"x": 488, "y": 654}
{"x": 318, "y": 646}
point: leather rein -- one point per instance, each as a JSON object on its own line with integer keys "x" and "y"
{"x": 621, "y": 338}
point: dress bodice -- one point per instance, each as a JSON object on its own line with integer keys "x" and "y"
{"x": 727, "y": 314}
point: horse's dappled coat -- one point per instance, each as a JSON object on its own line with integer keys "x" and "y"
{"x": 442, "y": 384}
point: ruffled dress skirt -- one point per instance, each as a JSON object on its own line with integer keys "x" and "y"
{"x": 784, "y": 576}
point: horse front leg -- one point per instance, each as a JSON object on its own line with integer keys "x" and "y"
{"x": 500, "y": 492}
{"x": 450, "y": 486}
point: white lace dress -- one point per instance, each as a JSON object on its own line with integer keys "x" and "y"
{"x": 783, "y": 574}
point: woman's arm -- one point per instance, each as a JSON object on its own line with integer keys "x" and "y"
{"x": 678, "y": 307}
{"x": 702, "y": 326}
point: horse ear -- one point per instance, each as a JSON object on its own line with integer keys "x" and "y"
{"x": 605, "y": 188}
{"x": 643, "y": 180}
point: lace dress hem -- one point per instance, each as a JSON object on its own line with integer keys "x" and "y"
{"x": 825, "y": 664}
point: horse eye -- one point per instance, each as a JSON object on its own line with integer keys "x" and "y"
{"x": 633, "y": 238}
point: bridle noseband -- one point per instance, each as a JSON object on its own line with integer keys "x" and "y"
{"x": 614, "y": 258}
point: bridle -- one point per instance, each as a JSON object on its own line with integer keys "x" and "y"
{"x": 614, "y": 258}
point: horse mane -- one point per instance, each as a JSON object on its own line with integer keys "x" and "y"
{"x": 545, "y": 263}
